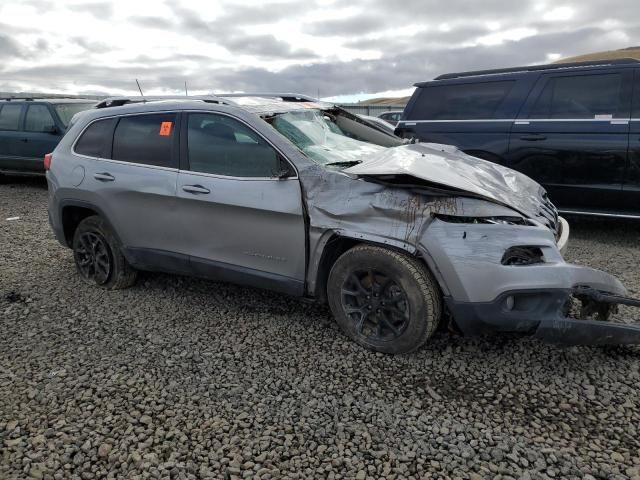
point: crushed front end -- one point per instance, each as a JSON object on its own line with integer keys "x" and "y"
{"x": 501, "y": 276}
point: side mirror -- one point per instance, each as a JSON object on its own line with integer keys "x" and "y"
{"x": 53, "y": 130}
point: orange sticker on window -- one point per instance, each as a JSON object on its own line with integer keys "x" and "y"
{"x": 165, "y": 129}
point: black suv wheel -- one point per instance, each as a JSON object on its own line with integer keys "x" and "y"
{"x": 384, "y": 300}
{"x": 98, "y": 257}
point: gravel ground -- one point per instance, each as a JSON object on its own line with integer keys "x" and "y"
{"x": 184, "y": 378}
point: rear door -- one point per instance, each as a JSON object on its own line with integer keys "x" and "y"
{"x": 238, "y": 220}
{"x": 572, "y": 137}
{"x": 10, "y": 136}
{"x": 632, "y": 183}
{"x": 476, "y": 116}
{"x": 130, "y": 173}
{"x": 40, "y": 136}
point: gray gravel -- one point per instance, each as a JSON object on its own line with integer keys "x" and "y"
{"x": 184, "y": 378}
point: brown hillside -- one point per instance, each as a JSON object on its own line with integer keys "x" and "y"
{"x": 630, "y": 52}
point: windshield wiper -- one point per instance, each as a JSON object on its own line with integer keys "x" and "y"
{"x": 346, "y": 163}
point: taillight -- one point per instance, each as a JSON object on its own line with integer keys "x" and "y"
{"x": 47, "y": 160}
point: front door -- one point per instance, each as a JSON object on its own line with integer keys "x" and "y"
{"x": 241, "y": 216}
{"x": 631, "y": 187}
{"x": 572, "y": 137}
{"x": 10, "y": 136}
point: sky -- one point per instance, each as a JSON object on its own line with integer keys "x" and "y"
{"x": 339, "y": 50}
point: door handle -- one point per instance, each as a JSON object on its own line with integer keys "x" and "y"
{"x": 195, "y": 189}
{"x": 533, "y": 138}
{"x": 25, "y": 140}
{"x": 104, "y": 177}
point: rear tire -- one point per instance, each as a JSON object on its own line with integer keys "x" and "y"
{"x": 98, "y": 256}
{"x": 384, "y": 300}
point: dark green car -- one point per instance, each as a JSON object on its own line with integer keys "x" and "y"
{"x": 30, "y": 128}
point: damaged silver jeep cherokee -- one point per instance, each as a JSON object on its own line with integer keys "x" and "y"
{"x": 302, "y": 197}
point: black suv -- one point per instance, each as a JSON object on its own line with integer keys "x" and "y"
{"x": 574, "y": 128}
{"x": 30, "y": 128}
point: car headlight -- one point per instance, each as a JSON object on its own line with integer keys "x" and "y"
{"x": 484, "y": 220}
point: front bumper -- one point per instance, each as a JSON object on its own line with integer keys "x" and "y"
{"x": 543, "y": 314}
{"x": 485, "y": 296}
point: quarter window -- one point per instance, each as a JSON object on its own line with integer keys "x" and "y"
{"x": 469, "y": 101}
{"x": 582, "y": 96}
{"x": 220, "y": 145}
{"x": 146, "y": 139}
{"x": 39, "y": 119}
{"x": 96, "y": 139}
{"x": 10, "y": 117}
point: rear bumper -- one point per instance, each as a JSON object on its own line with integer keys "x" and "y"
{"x": 542, "y": 314}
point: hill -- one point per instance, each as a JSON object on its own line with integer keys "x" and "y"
{"x": 629, "y": 52}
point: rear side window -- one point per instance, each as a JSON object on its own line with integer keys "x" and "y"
{"x": 146, "y": 139}
{"x": 10, "y": 117}
{"x": 38, "y": 119}
{"x": 95, "y": 141}
{"x": 469, "y": 101}
{"x": 582, "y": 96}
{"x": 221, "y": 145}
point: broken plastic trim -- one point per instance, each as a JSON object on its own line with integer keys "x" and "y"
{"x": 522, "y": 255}
{"x": 484, "y": 220}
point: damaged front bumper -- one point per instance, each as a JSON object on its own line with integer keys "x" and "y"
{"x": 483, "y": 295}
{"x": 544, "y": 315}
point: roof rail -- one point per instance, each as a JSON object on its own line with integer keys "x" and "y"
{"x": 119, "y": 101}
{"x": 287, "y": 97}
{"x": 534, "y": 68}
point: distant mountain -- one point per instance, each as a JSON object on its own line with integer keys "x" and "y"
{"x": 629, "y": 52}
{"x": 44, "y": 95}
{"x": 385, "y": 101}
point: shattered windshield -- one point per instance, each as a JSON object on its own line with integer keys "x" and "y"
{"x": 315, "y": 133}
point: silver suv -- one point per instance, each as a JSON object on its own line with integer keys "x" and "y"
{"x": 302, "y": 197}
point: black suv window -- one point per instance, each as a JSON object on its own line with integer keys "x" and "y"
{"x": 10, "y": 117}
{"x": 582, "y": 96}
{"x": 468, "y": 101}
{"x": 146, "y": 139}
{"x": 38, "y": 119}
{"x": 96, "y": 139}
{"x": 220, "y": 145}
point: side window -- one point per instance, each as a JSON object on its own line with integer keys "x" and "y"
{"x": 96, "y": 140}
{"x": 582, "y": 96}
{"x": 146, "y": 139}
{"x": 469, "y": 101}
{"x": 10, "y": 117}
{"x": 38, "y": 119}
{"x": 220, "y": 145}
{"x": 636, "y": 95}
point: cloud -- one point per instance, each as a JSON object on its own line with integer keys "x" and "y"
{"x": 341, "y": 48}
{"x": 97, "y": 9}
{"x": 8, "y": 47}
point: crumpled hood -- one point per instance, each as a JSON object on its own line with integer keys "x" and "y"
{"x": 446, "y": 166}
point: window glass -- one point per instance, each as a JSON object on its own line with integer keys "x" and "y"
{"x": 470, "y": 101}
{"x": 582, "y": 96}
{"x": 10, "y": 116}
{"x": 38, "y": 119}
{"x": 96, "y": 139}
{"x": 146, "y": 139}
{"x": 220, "y": 145}
{"x": 67, "y": 110}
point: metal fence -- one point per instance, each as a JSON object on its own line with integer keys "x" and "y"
{"x": 371, "y": 110}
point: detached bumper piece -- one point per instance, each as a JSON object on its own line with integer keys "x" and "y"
{"x": 544, "y": 315}
{"x": 592, "y": 332}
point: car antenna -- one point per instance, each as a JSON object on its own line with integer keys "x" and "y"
{"x": 138, "y": 83}
{"x": 186, "y": 93}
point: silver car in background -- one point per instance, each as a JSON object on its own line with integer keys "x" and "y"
{"x": 282, "y": 192}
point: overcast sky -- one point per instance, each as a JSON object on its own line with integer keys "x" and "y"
{"x": 331, "y": 46}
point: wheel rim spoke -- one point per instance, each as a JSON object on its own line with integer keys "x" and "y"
{"x": 375, "y": 303}
{"x": 93, "y": 257}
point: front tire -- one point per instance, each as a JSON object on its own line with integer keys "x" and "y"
{"x": 98, "y": 258}
{"x": 384, "y": 300}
